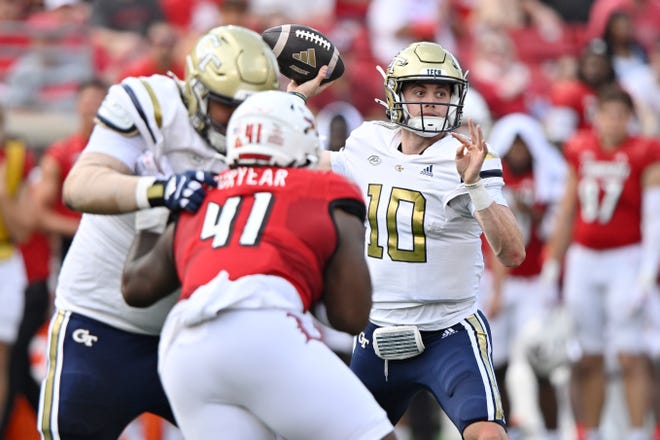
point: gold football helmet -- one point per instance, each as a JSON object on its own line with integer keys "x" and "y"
{"x": 227, "y": 64}
{"x": 424, "y": 62}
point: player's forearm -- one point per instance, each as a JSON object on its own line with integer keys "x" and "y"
{"x": 149, "y": 272}
{"x": 503, "y": 234}
{"x": 100, "y": 184}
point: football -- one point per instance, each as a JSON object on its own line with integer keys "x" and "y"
{"x": 301, "y": 51}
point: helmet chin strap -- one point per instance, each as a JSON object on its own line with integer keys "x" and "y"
{"x": 216, "y": 135}
{"x": 217, "y": 140}
{"x": 425, "y": 126}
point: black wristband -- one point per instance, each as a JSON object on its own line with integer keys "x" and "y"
{"x": 300, "y": 95}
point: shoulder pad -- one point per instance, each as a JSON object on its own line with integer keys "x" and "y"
{"x": 113, "y": 113}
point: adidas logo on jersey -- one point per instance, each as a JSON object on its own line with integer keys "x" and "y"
{"x": 428, "y": 171}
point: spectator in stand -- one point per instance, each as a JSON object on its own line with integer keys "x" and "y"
{"x": 505, "y": 14}
{"x": 197, "y": 16}
{"x": 572, "y": 12}
{"x": 132, "y": 16}
{"x": 644, "y": 14}
{"x": 573, "y": 100}
{"x": 12, "y": 38}
{"x": 496, "y": 72}
{"x": 71, "y": 15}
{"x": 362, "y": 80}
{"x": 625, "y": 52}
{"x": 163, "y": 54}
{"x": 314, "y": 13}
{"x": 643, "y": 84}
{"x": 394, "y": 24}
{"x": 234, "y": 12}
{"x": 352, "y": 10}
{"x": 47, "y": 75}
{"x": 335, "y": 122}
{"x": 53, "y": 216}
{"x": 119, "y": 31}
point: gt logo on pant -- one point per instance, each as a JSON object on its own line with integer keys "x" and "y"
{"x": 362, "y": 340}
{"x": 82, "y": 336}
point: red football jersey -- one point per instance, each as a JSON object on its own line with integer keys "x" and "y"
{"x": 267, "y": 221}
{"x": 65, "y": 152}
{"x": 577, "y": 96}
{"x": 522, "y": 188}
{"x": 609, "y": 188}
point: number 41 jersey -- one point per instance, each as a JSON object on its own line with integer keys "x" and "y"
{"x": 264, "y": 221}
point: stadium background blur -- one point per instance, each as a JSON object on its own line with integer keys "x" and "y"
{"x": 518, "y": 52}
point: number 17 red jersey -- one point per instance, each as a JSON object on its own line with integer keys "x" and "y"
{"x": 609, "y": 188}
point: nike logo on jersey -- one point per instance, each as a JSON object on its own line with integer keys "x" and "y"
{"x": 82, "y": 336}
{"x": 428, "y": 171}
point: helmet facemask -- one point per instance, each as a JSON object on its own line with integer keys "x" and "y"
{"x": 430, "y": 126}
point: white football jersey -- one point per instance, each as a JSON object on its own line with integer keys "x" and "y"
{"x": 144, "y": 123}
{"x": 423, "y": 243}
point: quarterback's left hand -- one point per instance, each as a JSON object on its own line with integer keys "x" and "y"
{"x": 470, "y": 155}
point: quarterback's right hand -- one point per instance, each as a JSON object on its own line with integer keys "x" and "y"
{"x": 181, "y": 192}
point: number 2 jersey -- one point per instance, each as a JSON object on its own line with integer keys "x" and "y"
{"x": 609, "y": 211}
{"x": 263, "y": 238}
{"x": 423, "y": 242}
